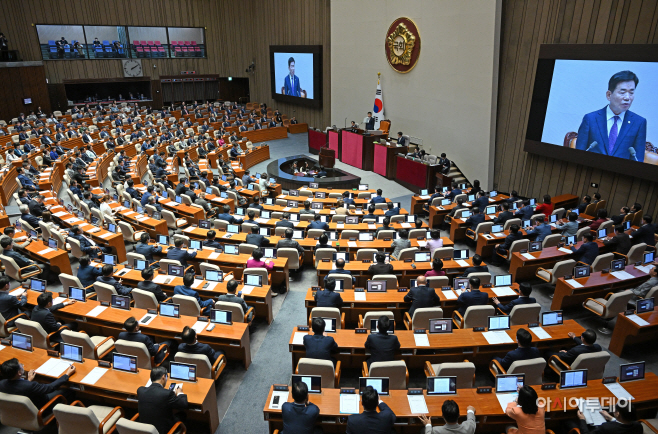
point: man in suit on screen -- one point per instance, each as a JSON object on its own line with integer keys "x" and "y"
{"x": 615, "y": 130}
{"x": 291, "y": 82}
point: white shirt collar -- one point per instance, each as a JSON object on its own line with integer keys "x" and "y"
{"x": 610, "y": 114}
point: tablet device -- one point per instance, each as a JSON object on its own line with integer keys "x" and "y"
{"x": 631, "y": 371}
{"x": 440, "y": 325}
{"x": 196, "y": 245}
{"x": 231, "y": 249}
{"x": 374, "y": 329}
{"x": 313, "y": 382}
{"x": 376, "y": 286}
{"x": 21, "y": 341}
{"x": 269, "y": 252}
{"x": 182, "y": 371}
{"x": 617, "y": 264}
{"x": 37, "y": 285}
{"x": 441, "y": 385}
{"x": 509, "y": 383}
{"x": 535, "y": 246}
{"x": 366, "y": 236}
{"x": 170, "y": 310}
{"x": 551, "y": 318}
{"x": 329, "y": 325}
{"x": 163, "y": 239}
{"x": 175, "y": 270}
{"x": 461, "y": 283}
{"x": 52, "y": 243}
{"x": 120, "y": 302}
{"x": 572, "y": 379}
{"x": 422, "y": 257}
{"x": 109, "y": 259}
{"x": 581, "y": 271}
{"x": 205, "y": 224}
{"x": 253, "y": 279}
{"x": 70, "y": 352}
{"x": 460, "y": 254}
{"x": 214, "y": 276}
{"x": 221, "y": 316}
{"x": 645, "y": 305}
{"x": 491, "y": 209}
{"x": 124, "y": 362}
{"x": 264, "y": 232}
{"x": 380, "y": 384}
{"x": 77, "y": 294}
{"x": 649, "y": 257}
{"x": 501, "y": 322}
{"x": 139, "y": 264}
{"x": 503, "y": 280}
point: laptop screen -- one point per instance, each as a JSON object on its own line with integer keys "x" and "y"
{"x": 313, "y": 382}
{"x": 551, "y": 318}
{"x": 230, "y": 249}
{"x": 320, "y": 195}
{"x": 140, "y": 264}
{"x": 182, "y": 371}
{"x": 509, "y": 383}
{"x": 576, "y": 378}
{"x": 645, "y": 305}
{"x": 77, "y": 294}
{"x": 297, "y": 234}
{"x": 441, "y": 385}
{"x": 109, "y": 259}
{"x": 120, "y": 302}
{"x": 553, "y": 218}
{"x": 631, "y": 371}
{"x": 460, "y": 254}
{"x": 205, "y": 224}
{"x": 461, "y": 283}
{"x": 491, "y": 209}
{"x": 214, "y": 275}
{"x": 440, "y": 325}
{"x": 37, "y": 285}
{"x": 380, "y": 384}
{"x": 374, "y": 329}
{"x": 571, "y": 239}
{"x": 170, "y": 310}
{"x": 376, "y": 286}
{"x": 581, "y": 271}
{"x": 499, "y": 323}
{"x": 269, "y": 252}
{"x": 124, "y": 362}
{"x": 422, "y": 256}
{"x": 649, "y": 257}
{"x": 232, "y": 229}
{"x": 503, "y": 280}
{"x": 617, "y": 264}
{"x": 365, "y": 236}
{"x": 602, "y": 233}
{"x": 52, "y": 243}
{"x": 71, "y": 352}
{"x": 196, "y": 245}
{"x": 265, "y": 214}
{"x": 253, "y": 280}
{"x": 21, "y": 341}
{"x": 221, "y": 316}
{"x": 496, "y": 228}
{"x": 329, "y": 324}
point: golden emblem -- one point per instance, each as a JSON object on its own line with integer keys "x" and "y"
{"x": 400, "y": 44}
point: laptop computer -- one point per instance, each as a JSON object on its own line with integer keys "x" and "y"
{"x": 441, "y": 386}
{"x": 269, "y": 252}
{"x": 631, "y": 371}
{"x": 649, "y": 257}
{"x": 422, "y": 257}
{"x": 70, "y": 352}
{"x": 501, "y": 322}
{"x": 573, "y": 379}
{"x": 52, "y": 243}
{"x": 380, "y": 384}
{"x": 205, "y": 224}
{"x": 124, "y": 362}
{"x": 170, "y": 310}
{"x": 617, "y": 264}
{"x": 440, "y": 325}
{"x": 341, "y": 255}
{"x": 313, "y": 382}
{"x": 221, "y": 316}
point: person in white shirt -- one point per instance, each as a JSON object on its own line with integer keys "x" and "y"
{"x": 450, "y": 413}
{"x": 106, "y": 209}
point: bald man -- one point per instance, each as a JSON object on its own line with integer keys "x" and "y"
{"x": 421, "y": 296}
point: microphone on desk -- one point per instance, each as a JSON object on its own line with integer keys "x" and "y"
{"x": 592, "y": 146}
{"x": 633, "y": 154}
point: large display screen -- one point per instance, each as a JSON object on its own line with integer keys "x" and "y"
{"x": 296, "y": 74}
{"x": 597, "y": 112}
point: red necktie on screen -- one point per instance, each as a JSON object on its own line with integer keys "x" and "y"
{"x": 614, "y": 132}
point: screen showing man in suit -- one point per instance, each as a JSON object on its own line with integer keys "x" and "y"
{"x": 293, "y": 74}
{"x": 589, "y": 108}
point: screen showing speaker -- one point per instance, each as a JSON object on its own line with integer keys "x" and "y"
{"x": 296, "y": 74}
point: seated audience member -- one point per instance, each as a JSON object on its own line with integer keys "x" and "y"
{"x": 471, "y": 297}
{"x": 288, "y": 242}
{"x": 460, "y": 206}
{"x": 504, "y": 215}
{"x": 383, "y": 347}
{"x": 437, "y": 269}
{"x": 503, "y": 248}
{"x": 588, "y": 251}
{"x": 585, "y": 344}
{"x": 371, "y": 421}
{"x": 318, "y": 224}
{"x": 525, "y": 351}
{"x": 386, "y": 226}
{"x": 210, "y": 240}
{"x": 133, "y": 334}
{"x": 256, "y": 262}
{"x": 526, "y": 212}
{"x": 179, "y": 252}
{"x": 620, "y": 242}
{"x": 285, "y": 221}
{"x": 524, "y": 298}
{"x": 450, "y": 413}
{"x": 601, "y": 217}
{"x": 186, "y": 289}
{"x": 232, "y": 297}
{"x": 317, "y": 345}
{"x": 392, "y": 210}
{"x": 226, "y": 215}
{"x": 39, "y": 393}
{"x": 256, "y": 239}
{"x": 300, "y": 415}
{"x": 475, "y": 219}
{"x": 43, "y": 314}
{"x": 327, "y": 297}
{"x": 157, "y": 404}
{"x": 583, "y": 205}
{"x": 107, "y": 278}
{"x": 529, "y": 416}
{"x": 542, "y": 230}
{"x": 323, "y": 243}
{"x": 88, "y": 274}
{"x": 435, "y": 241}
{"x": 146, "y": 249}
{"x": 643, "y": 289}
{"x": 380, "y": 266}
{"x": 421, "y": 296}
{"x": 546, "y": 207}
{"x": 400, "y": 243}
{"x": 190, "y": 345}
{"x": 597, "y": 198}
{"x": 477, "y": 266}
{"x": 149, "y": 286}
{"x": 10, "y": 305}
{"x": 371, "y": 213}
{"x": 378, "y": 198}
{"x": 624, "y": 422}
{"x": 619, "y": 219}
{"x": 340, "y": 269}
{"x": 647, "y": 232}
{"x": 570, "y": 228}
{"x": 481, "y": 202}
{"x": 307, "y": 208}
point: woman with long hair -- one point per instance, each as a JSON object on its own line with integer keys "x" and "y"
{"x": 529, "y": 416}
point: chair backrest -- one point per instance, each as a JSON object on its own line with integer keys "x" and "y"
{"x": 34, "y": 329}
{"x": 438, "y": 281}
{"x": 362, "y": 254}
{"x": 593, "y": 362}
{"x": 135, "y": 349}
{"x": 127, "y": 426}
{"x": 523, "y": 314}
{"x": 417, "y": 233}
{"x": 164, "y": 263}
{"x": 517, "y": 246}
{"x": 203, "y": 366}
{"x": 562, "y": 269}
{"x": 443, "y": 252}
{"x": 423, "y": 315}
{"x": 407, "y": 253}
{"x": 338, "y": 218}
{"x": 391, "y": 279}
{"x": 369, "y": 316}
{"x": 482, "y": 228}
{"x": 324, "y": 253}
{"x": 464, "y": 371}
{"x": 347, "y": 234}
{"x": 581, "y": 232}
{"x": 602, "y": 261}
{"x": 292, "y": 255}
{"x": 635, "y": 253}
{"x": 323, "y": 368}
{"x": 11, "y": 268}
{"x": 327, "y": 312}
{"x": 206, "y": 266}
{"x": 511, "y": 222}
{"x": 76, "y": 250}
{"x": 189, "y": 306}
{"x": 19, "y": 411}
{"x": 234, "y": 308}
{"x": 104, "y": 291}
{"x": 477, "y": 316}
{"x": 485, "y": 277}
{"x": 68, "y": 281}
{"x": 395, "y": 218}
{"x": 82, "y": 339}
{"x": 551, "y": 240}
{"x": 75, "y": 420}
{"x": 246, "y": 249}
{"x": 144, "y": 299}
{"x": 345, "y": 278}
{"x": 385, "y": 234}
{"x": 532, "y": 368}
{"x": 616, "y": 304}
{"x": 132, "y": 256}
{"x": 396, "y": 371}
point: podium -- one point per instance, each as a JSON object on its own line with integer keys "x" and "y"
{"x": 416, "y": 175}
{"x": 357, "y": 149}
{"x": 385, "y": 161}
{"x": 327, "y": 158}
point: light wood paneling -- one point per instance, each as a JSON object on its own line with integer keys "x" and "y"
{"x": 526, "y": 25}
{"x": 237, "y": 33}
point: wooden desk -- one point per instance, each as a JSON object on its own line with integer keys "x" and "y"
{"x": 190, "y": 213}
{"x": 297, "y": 128}
{"x": 8, "y": 185}
{"x": 265, "y": 134}
{"x": 596, "y": 285}
{"x": 120, "y": 388}
{"x": 457, "y": 346}
{"x": 565, "y": 201}
{"x": 385, "y": 161}
{"x": 58, "y": 260}
{"x": 415, "y": 175}
{"x": 254, "y": 156}
{"x": 627, "y": 332}
{"x": 490, "y": 416}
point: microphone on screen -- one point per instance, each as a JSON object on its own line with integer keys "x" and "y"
{"x": 592, "y": 146}
{"x": 633, "y": 153}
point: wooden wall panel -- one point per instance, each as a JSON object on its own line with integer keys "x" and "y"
{"x": 237, "y": 32}
{"x": 19, "y": 83}
{"x": 527, "y": 24}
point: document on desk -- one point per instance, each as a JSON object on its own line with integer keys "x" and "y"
{"x": 106, "y": 235}
{"x": 506, "y": 398}
{"x": 405, "y": 225}
{"x": 340, "y": 225}
{"x": 278, "y": 398}
{"x": 53, "y": 367}
{"x": 287, "y": 208}
{"x": 528, "y": 256}
{"x": 59, "y": 214}
{"x": 638, "y": 320}
{"x": 502, "y": 291}
{"x": 421, "y": 340}
{"x": 298, "y": 339}
{"x": 590, "y": 408}
{"x": 622, "y": 275}
{"x": 371, "y": 226}
{"x": 562, "y": 249}
{"x": 93, "y": 376}
{"x": 96, "y": 311}
{"x": 645, "y": 268}
{"x": 197, "y": 283}
{"x": 59, "y": 300}
{"x": 417, "y": 404}
{"x": 246, "y": 290}
{"x": 44, "y": 251}
{"x": 449, "y": 294}
{"x": 425, "y": 197}
{"x": 462, "y": 263}
{"x": 357, "y": 212}
{"x": 213, "y": 255}
{"x": 540, "y": 332}
{"x": 17, "y": 292}
{"x": 211, "y": 286}
{"x": 351, "y": 244}
{"x": 618, "y": 390}
{"x": 359, "y": 296}
{"x": 422, "y": 244}
{"x": 498, "y": 337}
{"x": 200, "y": 326}
{"x": 262, "y": 221}
{"x": 499, "y": 234}
{"x": 160, "y": 278}
{"x": 190, "y": 229}
{"x": 573, "y": 283}
{"x": 349, "y": 403}
{"x": 281, "y": 196}
{"x": 72, "y": 220}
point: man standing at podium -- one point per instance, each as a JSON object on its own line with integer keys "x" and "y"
{"x": 291, "y": 82}
{"x": 370, "y": 122}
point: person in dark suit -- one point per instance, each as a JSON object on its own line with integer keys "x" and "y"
{"x": 144, "y": 248}
{"x": 481, "y": 202}
{"x": 504, "y": 215}
{"x": 231, "y": 296}
{"x": 585, "y": 344}
{"x": 542, "y": 230}
{"x": 148, "y": 285}
{"x": 179, "y": 253}
{"x": 39, "y": 393}
{"x": 210, "y": 240}
{"x": 133, "y": 334}
{"x": 299, "y": 417}
{"x": 157, "y": 405}
{"x": 477, "y": 266}
{"x": 288, "y": 242}
{"x": 371, "y": 421}
{"x": 317, "y": 223}
{"x": 623, "y": 422}
{"x": 190, "y": 345}
{"x": 588, "y": 251}
{"x": 421, "y": 296}
{"x": 43, "y": 314}
{"x": 587, "y": 199}
{"x": 525, "y": 351}
{"x": 472, "y": 297}
{"x": 340, "y": 269}
{"x": 503, "y": 248}
{"x": 619, "y": 219}
{"x": 370, "y": 122}
{"x": 524, "y": 298}
{"x": 620, "y": 243}
{"x": 226, "y": 215}
{"x": 392, "y": 210}
{"x": 186, "y": 289}
{"x": 291, "y": 85}
{"x": 10, "y": 305}
{"x": 382, "y": 346}
{"x": 7, "y": 244}
{"x": 256, "y": 238}
{"x": 475, "y": 219}
{"x": 347, "y": 199}
{"x": 36, "y": 205}
{"x": 378, "y": 198}
{"x": 109, "y": 280}
{"x": 526, "y": 212}
{"x": 329, "y": 298}
{"x": 87, "y": 274}
{"x": 381, "y": 266}
{"x": 646, "y": 233}
{"x": 319, "y": 346}
{"x": 615, "y": 129}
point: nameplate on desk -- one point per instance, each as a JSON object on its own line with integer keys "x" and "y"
{"x": 605, "y": 271}
{"x": 349, "y": 390}
{"x": 420, "y": 331}
{"x": 484, "y": 389}
{"x": 316, "y": 288}
{"x": 104, "y": 364}
{"x": 568, "y": 276}
{"x": 105, "y": 303}
{"x": 5, "y": 342}
{"x": 638, "y": 263}
{"x": 366, "y": 261}
{"x": 387, "y": 239}
{"x": 609, "y": 380}
{"x": 152, "y": 311}
{"x": 280, "y": 387}
{"x": 202, "y": 318}
{"x": 403, "y": 289}
{"x": 415, "y": 391}
{"x": 359, "y": 289}
{"x": 445, "y": 288}
{"x": 628, "y": 312}
{"x": 549, "y": 386}
{"x": 361, "y": 330}
{"x": 53, "y": 353}
{"x": 326, "y": 260}
{"x": 487, "y": 285}
{"x": 523, "y": 251}
{"x": 408, "y": 260}
{"x": 302, "y": 328}
{"x": 478, "y": 329}
{"x": 533, "y": 324}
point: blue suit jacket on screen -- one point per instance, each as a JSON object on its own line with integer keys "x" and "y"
{"x": 291, "y": 88}
{"x": 633, "y": 134}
